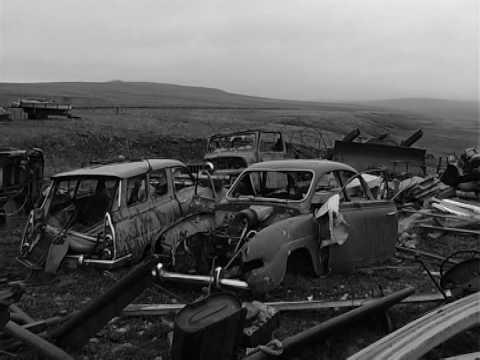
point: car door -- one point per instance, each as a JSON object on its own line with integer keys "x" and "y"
{"x": 271, "y": 146}
{"x": 147, "y": 207}
{"x": 372, "y": 226}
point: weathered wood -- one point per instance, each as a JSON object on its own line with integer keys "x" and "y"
{"x": 282, "y": 306}
{"x": 449, "y": 229}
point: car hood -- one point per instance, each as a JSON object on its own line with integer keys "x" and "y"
{"x": 265, "y": 214}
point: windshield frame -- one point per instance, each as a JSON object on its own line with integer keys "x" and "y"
{"x": 263, "y": 199}
{"x": 254, "y": 145}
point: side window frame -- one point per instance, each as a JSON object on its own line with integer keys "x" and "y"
{"x": 345, "y": 181}
{"x": 260, "y": 142}
{"x": 137, "y": 201}
{"x": 168, "y": 194}
{"x": 173, "y": 169}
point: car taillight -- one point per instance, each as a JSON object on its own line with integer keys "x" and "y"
{"x": 108, "y": 251}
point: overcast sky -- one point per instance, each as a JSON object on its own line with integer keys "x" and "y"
{"x": 318, "y": 49}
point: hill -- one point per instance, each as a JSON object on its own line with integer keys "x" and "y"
{"x": 196, "y": 112}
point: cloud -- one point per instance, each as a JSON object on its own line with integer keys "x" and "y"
{"x": 342, "y": 49}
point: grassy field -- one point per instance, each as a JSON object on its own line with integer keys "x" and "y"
{"x": 181, "y": 133}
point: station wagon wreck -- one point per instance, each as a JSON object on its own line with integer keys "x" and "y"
{"x": 112, "y": 214}
{"x": 297, "y": 212}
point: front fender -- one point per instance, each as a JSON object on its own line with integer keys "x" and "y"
{"x": 273, "y": 244}
{"x": 183, "y": 228}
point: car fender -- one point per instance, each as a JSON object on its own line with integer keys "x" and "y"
{"x": 276, "y": 242}
{"x": 185, "y": 227}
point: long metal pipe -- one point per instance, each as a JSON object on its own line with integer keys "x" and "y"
{"x": 198, "y": 279}
{"x": 292, "y": 342}
{"x": 43, "y": 346}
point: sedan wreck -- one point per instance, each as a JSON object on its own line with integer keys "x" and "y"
{"x": 284, "y": 213}
{"x": 112, "y": 214}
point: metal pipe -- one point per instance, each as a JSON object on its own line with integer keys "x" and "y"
{"x": 197, "y": 279}
{"x": 352, "y": 135}
{"x": 43, "y": 346}
{"x": 412, "y": 139}
{"x": 327, "y": 327}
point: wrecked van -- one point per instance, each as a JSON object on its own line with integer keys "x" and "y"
{"x": 111, "y": 214}
{"x": 302, "y": 212}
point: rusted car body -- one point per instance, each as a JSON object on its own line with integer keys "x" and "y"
{"x": 111, "y": 214}
{"x": 272, "y": 215}
{"x": 231, "y": 153}
{"x": 21, "y": 176}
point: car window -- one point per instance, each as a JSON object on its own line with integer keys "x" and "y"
{"x": 136, "y": 189}
{"x": 326, "y": 186}
{"x": 271, "y": 142}
{"x": 158, "y": 183}
{"x": 286, "y": 185}
{"x": 355, "y": 190}
{"x": 182, "y": 178}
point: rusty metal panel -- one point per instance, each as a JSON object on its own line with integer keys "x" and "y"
{"x": 397, "y": 159}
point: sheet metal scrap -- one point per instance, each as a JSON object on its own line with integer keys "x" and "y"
{"x": 418, "y": 337}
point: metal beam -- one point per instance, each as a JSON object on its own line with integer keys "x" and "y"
{"x": 292, "y": 343}
{"x": 418, "y": 337}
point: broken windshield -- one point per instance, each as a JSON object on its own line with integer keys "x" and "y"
{"x": 239, "y": 142}
{"x": 269, "y": 184}
{"x": 80, "y": 203}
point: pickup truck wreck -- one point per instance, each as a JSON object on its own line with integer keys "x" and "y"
{"x": 290, "y": 212}
{"x": 231, "y": 153}
{"x": 112, "y": 214}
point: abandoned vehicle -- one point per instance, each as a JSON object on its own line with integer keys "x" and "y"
{"x": 298, "y": 212}
{"x": 111, "y": 214}
{"x": 232, "y": 153}
{"x": 21, "y": 175}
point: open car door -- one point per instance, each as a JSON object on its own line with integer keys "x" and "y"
{"x": 372, "y": 228}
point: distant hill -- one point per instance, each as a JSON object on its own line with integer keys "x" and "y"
{"x": 122, "y": 93}
{"x": 448, "y": 125}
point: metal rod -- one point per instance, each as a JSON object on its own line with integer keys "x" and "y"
{"x": 43, "y": 346}
{"x": 327, "y": 327}
{"x": 198, "y": 279}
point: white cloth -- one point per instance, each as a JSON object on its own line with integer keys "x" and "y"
{"x": 336, "y": 223}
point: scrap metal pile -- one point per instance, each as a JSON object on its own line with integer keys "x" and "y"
{"x": 240, "y": 243}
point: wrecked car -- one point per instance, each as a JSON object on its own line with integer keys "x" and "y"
{"x": 232, "y": 153}
{"x": 112, "y": 214}
{"x": 290, "y": 213}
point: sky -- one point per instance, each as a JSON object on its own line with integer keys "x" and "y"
{"x": 306, "y": 50}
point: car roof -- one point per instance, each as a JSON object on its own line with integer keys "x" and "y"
{"x": 122, "y": 169}
{"x": 317, "y": 166}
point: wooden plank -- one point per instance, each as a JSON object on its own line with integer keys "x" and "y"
{"x": 449, "y": 229}
{"x": 283, "y": 306}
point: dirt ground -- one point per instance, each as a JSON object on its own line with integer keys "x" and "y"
{"x": 147, "y": 337}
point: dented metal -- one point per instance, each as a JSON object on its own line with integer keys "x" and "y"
{"x": 144, "y": 202}
{"x": 290, "y": 232}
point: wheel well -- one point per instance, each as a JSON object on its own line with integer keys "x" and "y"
{"x": 300, "y": 261}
